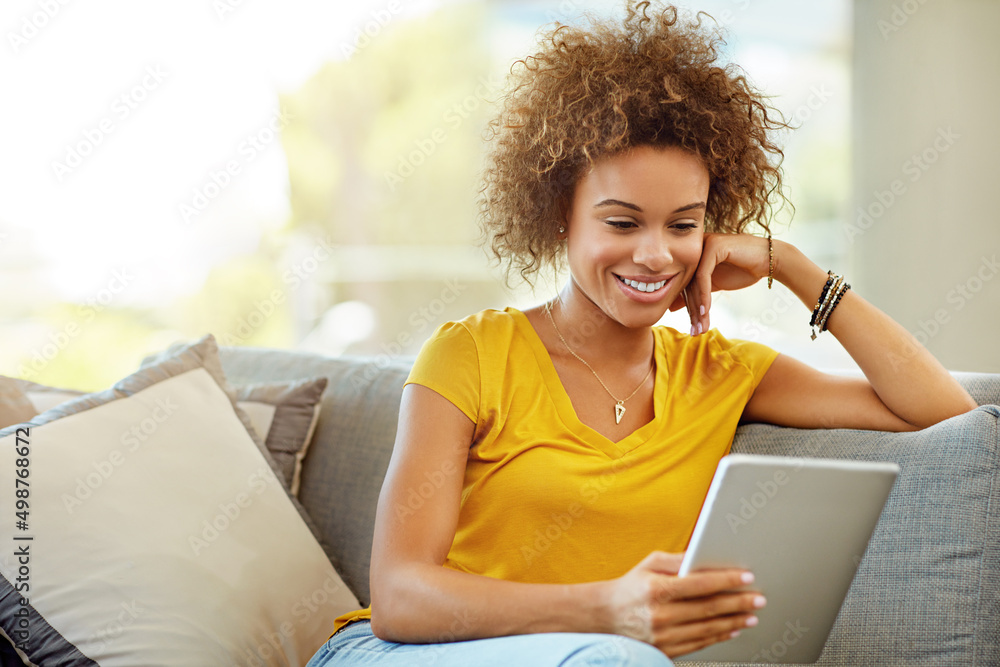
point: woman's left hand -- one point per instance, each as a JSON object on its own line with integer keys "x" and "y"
{"x": 728, "y": 262}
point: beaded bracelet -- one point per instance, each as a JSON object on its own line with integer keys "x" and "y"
{"x": 840, "y": 294}
{"x": 822, "y": 297}
{"x": 833, "y": 292}
{"x": 770, "y": 261}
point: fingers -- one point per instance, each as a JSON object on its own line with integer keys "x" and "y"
{"x": 702, "y": 584}
{"x": 683, "y": 627}
{"x": 698, "y": 293}
{"x": 688, "y": 639}
{"x": 700, "y": 289}
{"x": 697, "y": 307}
{"x": 714, "y": 607}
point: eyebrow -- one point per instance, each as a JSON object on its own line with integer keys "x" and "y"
{"x": 625, "y": 204}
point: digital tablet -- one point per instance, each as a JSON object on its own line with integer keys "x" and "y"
{"x": 801, "y": 526}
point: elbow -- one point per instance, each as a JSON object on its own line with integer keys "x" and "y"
{"x": 383, "y": 622}
{"x": 395, "y": 616}
{"x": 959, "y": 405}
{"x": 385, "y": 625}
{"x": 391, "y": 623}
{"x": 382, "y": 629}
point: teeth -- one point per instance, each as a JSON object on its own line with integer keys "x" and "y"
{"x": 643, "y": 287}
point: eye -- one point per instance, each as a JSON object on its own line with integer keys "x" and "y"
{"x": 685, "y": 226}
{"x": 620, "y": 224}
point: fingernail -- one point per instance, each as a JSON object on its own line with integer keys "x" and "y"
{"x": 734, "y": 634}
{"x": 759, "y": 601}
{"x": 752, "y": 621}
{"x": 699, "y": 327}
{"x": 692, "y": 330}
{"x": 747, "y": 577}
{"x": 701, "y": 309}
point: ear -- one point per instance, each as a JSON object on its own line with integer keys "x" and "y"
{"x": 565, "y": 209}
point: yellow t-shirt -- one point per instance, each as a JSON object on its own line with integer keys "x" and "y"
{"x": 547, "y": 499}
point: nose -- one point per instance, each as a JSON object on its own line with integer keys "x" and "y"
{"x": 653, "y": 251}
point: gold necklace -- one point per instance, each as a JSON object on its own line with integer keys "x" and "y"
{"x": 619, "y": 402}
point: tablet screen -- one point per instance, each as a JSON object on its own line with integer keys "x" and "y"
{"x": 801, "y": 526}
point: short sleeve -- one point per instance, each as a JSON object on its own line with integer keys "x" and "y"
{"x": 755, "y": 357}
{"x": 448, "y": 363}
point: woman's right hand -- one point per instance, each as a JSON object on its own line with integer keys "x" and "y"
{"x": 680, "y": 615}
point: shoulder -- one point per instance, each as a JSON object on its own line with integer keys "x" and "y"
{"x": 491, "y": 321}
{"x": 479, "y": 327}
{"x": 485, "y": 330}
{"x": 712, "y": 351}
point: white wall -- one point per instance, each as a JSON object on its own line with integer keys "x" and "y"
{"x": 926, "y": 142}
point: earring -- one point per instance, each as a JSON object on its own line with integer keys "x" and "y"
{"x": 562, "y": 230}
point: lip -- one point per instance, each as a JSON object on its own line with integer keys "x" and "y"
{"x": 645, "y": 297}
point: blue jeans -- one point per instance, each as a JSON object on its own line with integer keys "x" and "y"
{"x": 356, "y": 645}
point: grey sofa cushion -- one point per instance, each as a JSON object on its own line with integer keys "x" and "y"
{"x": 347, "y": 460}
{"x": 927, "y": 591}
{"x": 983, "y": 387}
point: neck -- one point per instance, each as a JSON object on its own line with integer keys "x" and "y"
{"x": 591, "y": 333}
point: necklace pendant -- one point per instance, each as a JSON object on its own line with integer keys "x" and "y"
{"x": 619, "y": 412}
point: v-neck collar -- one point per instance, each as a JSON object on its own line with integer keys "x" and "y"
{"x": 564, "y": 406}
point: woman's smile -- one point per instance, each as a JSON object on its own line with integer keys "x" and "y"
{"x": 645, "y": 289}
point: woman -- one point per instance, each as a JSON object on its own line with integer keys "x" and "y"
{"x": 570, "y": 446}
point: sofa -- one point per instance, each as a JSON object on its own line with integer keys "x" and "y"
{"x": 927, "y": 591}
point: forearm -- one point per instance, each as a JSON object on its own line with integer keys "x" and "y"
{"x": 905, "y": 375}
{"x": 425, "y": 603}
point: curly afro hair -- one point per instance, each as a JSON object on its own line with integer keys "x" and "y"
{"x": 653, "y": 79}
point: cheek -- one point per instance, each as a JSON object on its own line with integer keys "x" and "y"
{"x": 592, "y": 250}
{"x": 688, "y": 250}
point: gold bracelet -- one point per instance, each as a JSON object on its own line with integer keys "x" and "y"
{"x": 770, "y": 261}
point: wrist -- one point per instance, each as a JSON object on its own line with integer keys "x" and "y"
{"x": 798, "y": 273}
{"x": 598, "y": 601}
